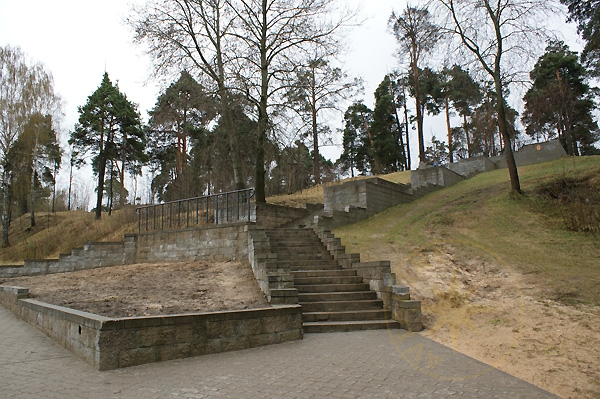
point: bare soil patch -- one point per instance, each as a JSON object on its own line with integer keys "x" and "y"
{"x": 484, "y": 309}
{"x": 150, "y": 289}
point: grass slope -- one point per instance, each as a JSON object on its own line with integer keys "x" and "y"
{"x": 59, "y": 232}
{"x": 480, "y": 219}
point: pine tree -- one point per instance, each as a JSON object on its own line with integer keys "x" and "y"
{"x": 110, "y": 130}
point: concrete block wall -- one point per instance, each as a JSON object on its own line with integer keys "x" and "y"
{"x": 339, "y": 197}
{"x": 272, "y": 216}
{"x": 107, "y": 343}
{"x": 382, "y": 194}
{"x": 537, "y": 153}
{"x": 92, "y": 255}
{"x": 471, "y": 166}
{"x": 374, "y": 194}
{"x": 274, "y": 277}
{"x": 439, "y": 176}
{"x": 223, "y": 242}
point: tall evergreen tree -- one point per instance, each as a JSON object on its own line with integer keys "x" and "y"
{"x": 183, "y": 109}
{"x": 417, "y": 36}
{"x": 109, "y": 129}
{"x": 356, "y": 140}
{"x": 25, "y": 90}
{"x": 560, "y": 102}
{"x": 587, "y": 15}
{"x": 385, "y": 131}
{"x": 465, "y": 94}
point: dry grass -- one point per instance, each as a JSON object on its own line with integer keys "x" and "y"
{"x": 59, "y": 232}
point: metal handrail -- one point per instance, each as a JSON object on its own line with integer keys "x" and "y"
{"x": 221, "y": 208}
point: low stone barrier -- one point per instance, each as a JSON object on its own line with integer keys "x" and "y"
{"x": 110, "y": 343}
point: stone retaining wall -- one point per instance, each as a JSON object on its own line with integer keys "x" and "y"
{"x": 271, "y": 216}
{"x": 439, "y": 176}
{"x": 471, "y": 166}
{"x": 374, "y": 194}
{"x": 111, "y": 343}
{"x": 220, "y": 243}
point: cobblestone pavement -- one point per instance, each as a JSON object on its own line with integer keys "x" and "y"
{"x": 368, "y": 364}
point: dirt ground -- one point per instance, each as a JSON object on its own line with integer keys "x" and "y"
{"x": 487, "y": 311}
{"x": 150, "y": 289}
{"x": 479, "y": 307}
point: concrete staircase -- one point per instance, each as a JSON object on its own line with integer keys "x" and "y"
{"x": 332, "y": 298}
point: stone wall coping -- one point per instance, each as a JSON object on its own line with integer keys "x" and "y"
{"x": 123, "y": 323}
{"x": 14, "y": 290}
{"x": 184, "y": 229}
{"x": 126, "y": 323}
{"x": 71, "y": 315}
{"x": 365, "y": 265}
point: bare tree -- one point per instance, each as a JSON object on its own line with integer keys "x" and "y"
{"x": 194, "y": 35}
{"x": 25, "y": 89}
{"x": 275, "y": 33}
{"x": 417, "y": 36}
{"x": 319, "y": 87}
{"x": 500, "y": 35}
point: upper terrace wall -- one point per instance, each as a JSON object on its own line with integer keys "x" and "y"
{"x": 533, "y": 153}
{"x": 373, "y": 194}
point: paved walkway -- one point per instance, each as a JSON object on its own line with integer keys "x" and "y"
{"x": 369, "y": 364}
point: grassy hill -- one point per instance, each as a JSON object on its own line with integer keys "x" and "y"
{"x": 534, "y": 234}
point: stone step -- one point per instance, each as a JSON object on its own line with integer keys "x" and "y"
{"x": 332, "y": 288}
{"x": 327, "y": 280}
{"x": 308, "y": 255}
{"x": 309, "y": 267}
{"x": 332, "y": 298}
{"x": 324, "y": 273}
{"x": 345, "y": 326}
{"x": 305, "y": 297}
{"x": 335, "y": 306}
{"x": 355, "y": 315}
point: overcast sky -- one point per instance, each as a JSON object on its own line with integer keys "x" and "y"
{"x": 77, "y": 40}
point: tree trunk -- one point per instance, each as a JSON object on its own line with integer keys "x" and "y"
{"x": 467, "y": 136}
{"x": 32, "y": 201}
{"x": 110, "y": 189}
{"x": 6, "y": 207}
{"x": 449, "y": 130}
{"x": 262, "y": 110}
{"x": 419, "y": 123}
{"x": 407, "y": 128}
{"x": 315, "y": 128}
{"x": 100, "y": 188}
{"x": 315, "y": 134}
{"x": 503, "y": 126}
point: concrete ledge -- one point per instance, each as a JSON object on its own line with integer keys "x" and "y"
{"x": 111, "y": 343}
